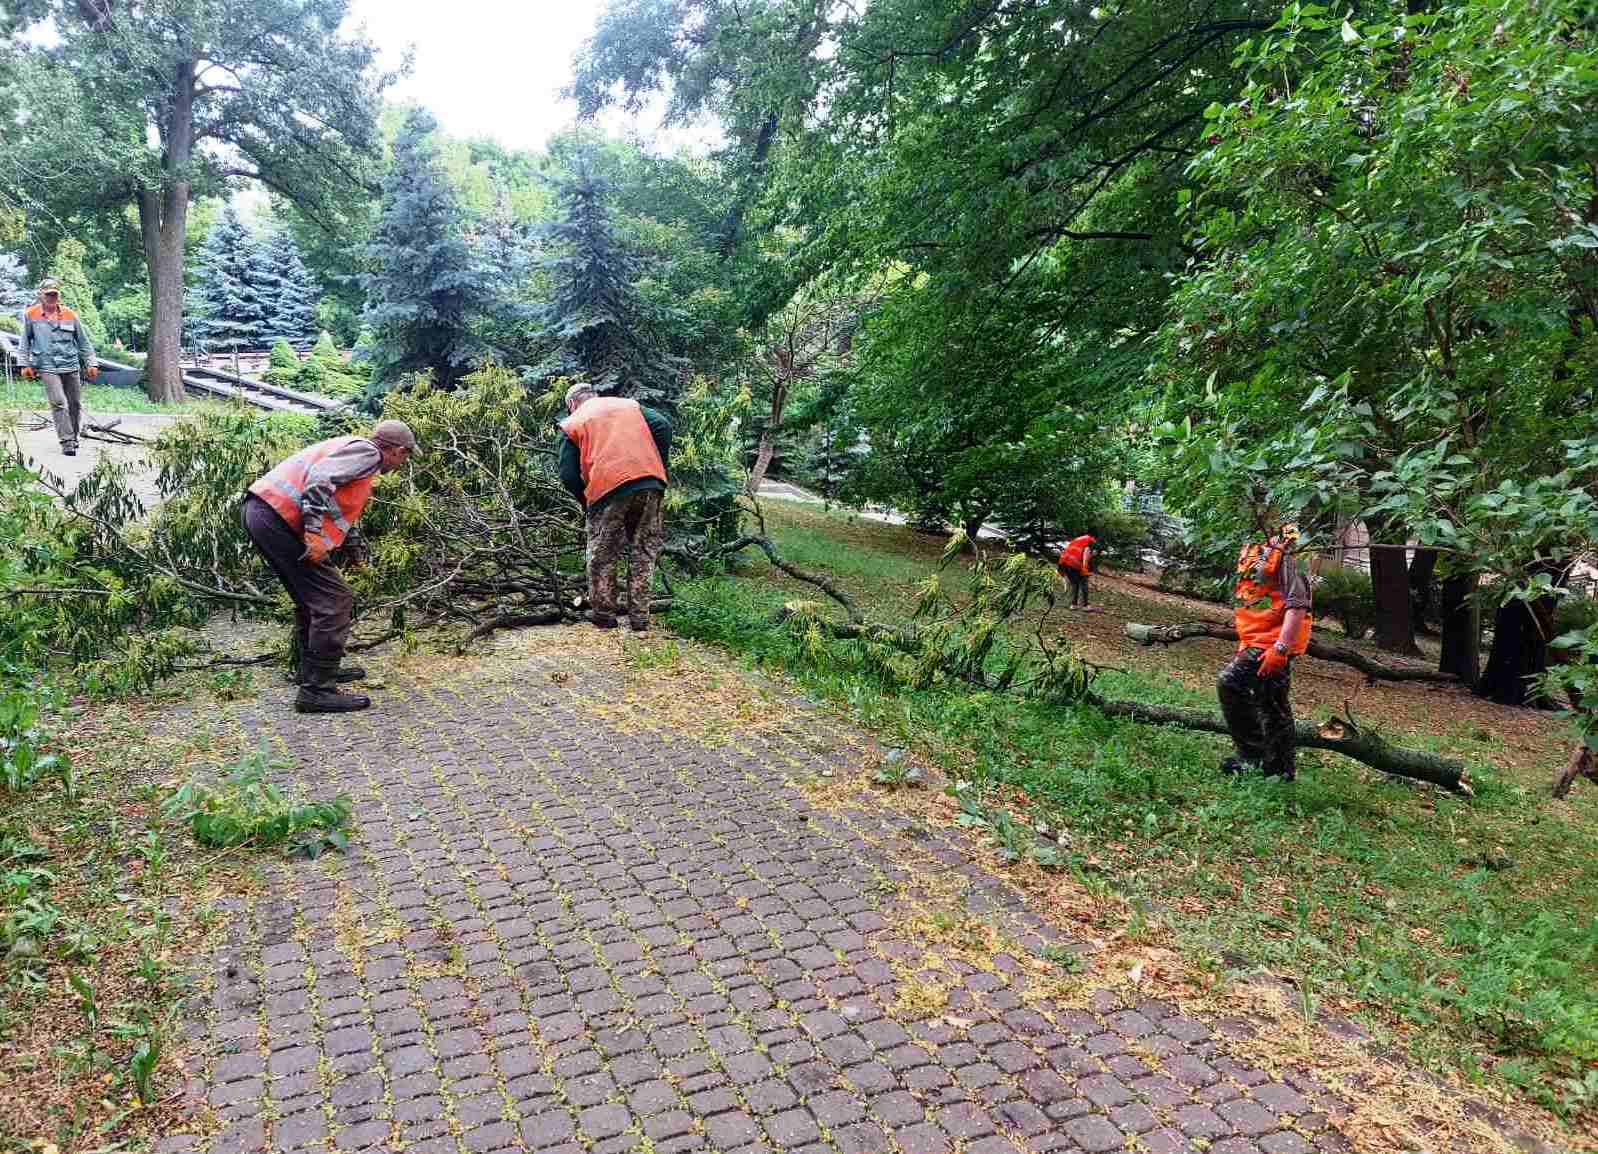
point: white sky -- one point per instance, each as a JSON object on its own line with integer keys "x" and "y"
{"x": 494, "y": 67}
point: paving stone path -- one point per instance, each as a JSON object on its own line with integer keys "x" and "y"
{"x": 570, "y": 924}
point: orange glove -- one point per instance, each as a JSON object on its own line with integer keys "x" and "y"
{"x": 28, "y": 374}
{"x": 1273, "y": 663}
{"x": 316, "y": 550}
{"x": 92, "y": 372}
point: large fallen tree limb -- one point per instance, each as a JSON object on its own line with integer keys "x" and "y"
{"x": 1375, "y": 670}
{"x": 1340, "y": 735}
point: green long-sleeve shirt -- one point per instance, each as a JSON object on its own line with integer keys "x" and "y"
{"x": 571, "y": 463}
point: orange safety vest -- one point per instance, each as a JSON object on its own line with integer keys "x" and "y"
{"x": 1074, "y": 555}
{"x": 614, "y": 445}
{"x": 1259, "y": 604}
{"x": 284, "y": 489}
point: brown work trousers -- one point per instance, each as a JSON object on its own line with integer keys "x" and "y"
{"x": 65, "y": 391}
{"x": 631, "y": 524}
{"x": 323, "y": 602}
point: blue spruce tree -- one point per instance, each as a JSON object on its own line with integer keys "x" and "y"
{"x": 228, "y": 301}
{"x": 291, "y": 294}
{"x": 426, "y": 286}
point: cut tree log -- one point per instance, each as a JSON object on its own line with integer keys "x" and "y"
{"x": 1338, "y": 734}
{"x": 1375, "y": 670}
{"x": 1580, "y": 765}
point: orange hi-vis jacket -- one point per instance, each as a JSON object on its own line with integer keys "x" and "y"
{"x": 1259, "y": 603}
{"x": 284, "y": 489}
{"x": 614, "y": 445}
{"x": 1074, "y": 555}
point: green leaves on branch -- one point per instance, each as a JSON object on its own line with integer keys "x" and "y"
{"x": 244, "y": 808}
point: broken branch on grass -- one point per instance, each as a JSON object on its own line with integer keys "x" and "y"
{"x": 825, "y": 584}
{"x": 1372, "y": 669}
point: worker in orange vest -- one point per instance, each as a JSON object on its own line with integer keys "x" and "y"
{"x": 297, "y": 515}
{"x": 56, "y": 349}
{"x": 613, "y": 460}
{"x": 1076, "y": 561}
{"x": 1271, "y": 611}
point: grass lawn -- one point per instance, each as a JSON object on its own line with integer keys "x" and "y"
{"x": 1460, "y": 930}
{"x": 97, "y": 399}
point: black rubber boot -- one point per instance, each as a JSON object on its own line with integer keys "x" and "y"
{"x": 602, "y": 620}
{"x": 638, "y": 623}
{"x": 345, "y": 675}
{"x": 327, "y": 699}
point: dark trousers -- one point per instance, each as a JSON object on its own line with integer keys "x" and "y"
{"x": 1079, "y": 587}
{"x": 1258, "y": 712}
{"x": 323, "y": 602}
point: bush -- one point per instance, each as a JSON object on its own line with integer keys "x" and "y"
{"x": 1122, "y": 537}
{"x": 1575, "y": 613}
{"x": 10, "y": 324}
{"x": 1349, "y": 596}
{"x": 284, "y": 368}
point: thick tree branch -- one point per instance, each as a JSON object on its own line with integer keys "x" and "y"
{"x": 1375, "y": 670}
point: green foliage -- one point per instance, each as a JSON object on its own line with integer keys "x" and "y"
{"x": 10, "y": 324}
{"x": 1348, "y": 595}
{"x": 76, "y": 292}
{"x": 289, "y": 294}
{"x": 24, "y": 741}
{"x": 244, "y": 808}
{"x": 283, "y": 366}
{"x": 230, "y": 302}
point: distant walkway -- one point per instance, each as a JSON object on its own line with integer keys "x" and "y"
{"x": 597, "y": 905}
{"x": 40, "y": 445}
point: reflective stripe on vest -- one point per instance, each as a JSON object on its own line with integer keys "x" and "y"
{"x": 1074, "y": 555}
{"x": 614, "y": 445}
{"x": 284, "y": 489}
{"x": 1259, "y": 604}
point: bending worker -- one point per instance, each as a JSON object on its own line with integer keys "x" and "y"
{"x": 613, "y": 460}
{"x": 1076, "y": 559}
{"x": 1271, "y": 605}
{"x": 297, "y": 515}
{"x": 55, "y": 345}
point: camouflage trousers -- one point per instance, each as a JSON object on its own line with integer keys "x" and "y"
{"x": 629, "y": 525}
{"x": 1259, "y": 713}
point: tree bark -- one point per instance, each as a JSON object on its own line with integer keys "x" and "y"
{"x": 1375, "y": 670}
{"x": 1461, "y": 614}
{"x": 1422, "y": 586}
{"x": 1395, "y": 623}
{"x": 1521, "y": 631}
{"x": 163, "y": 221}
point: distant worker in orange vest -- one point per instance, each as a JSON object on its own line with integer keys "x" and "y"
{"x": 613, "y": 459}
{"x": 297, "y": 515}
{"x": 55, "y": 348}
{"x": 1076, "y": 560}
{"x": 1271, "y": 610}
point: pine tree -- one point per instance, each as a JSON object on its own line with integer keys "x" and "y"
{"x": 291, "y": 293}
{"x": 67, "y": 267}
{"x": 595, "y": 317}
{"x": 228, "y": 300}
{"x": 427, "y": 285}
{"x": 15, "y": 295}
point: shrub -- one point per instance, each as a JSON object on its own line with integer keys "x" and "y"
{"x": 1122, "y": 537}
{"x": 1575, "y": 613}
{"x": 284, "y": 368}
{"x": 1348, "y": 595}
{"x": 10, "y": 324}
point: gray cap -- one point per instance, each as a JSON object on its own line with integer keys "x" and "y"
{"x": 581, "y": 388}
{"x": 396, "y": 434}
{"x": 49, "y": 285}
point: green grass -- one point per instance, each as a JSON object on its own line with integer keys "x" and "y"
{"x": 97, "y": 399}
{"x": 1382, "y": 900}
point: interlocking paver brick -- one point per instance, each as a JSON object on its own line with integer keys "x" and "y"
{"x": 1094, "y": 1133}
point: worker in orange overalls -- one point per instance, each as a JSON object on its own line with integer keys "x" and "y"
{"x": 1271, "y": 611}
{"x": 1076, "y": 561}
{"x": 297, "y": 515}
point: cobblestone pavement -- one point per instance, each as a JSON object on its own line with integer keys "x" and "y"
{"x": 572, "y": 920}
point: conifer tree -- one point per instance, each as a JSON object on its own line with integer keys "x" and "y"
{"x": 290, "y": 292}
{"x": 76, "y": 293}
{"x": 15, "y": 295}
{"x": 595, "y": 317}
{"x": 227, "y": 302}
{"x": 426, "y": 284}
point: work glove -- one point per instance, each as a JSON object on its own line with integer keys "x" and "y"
{"x": 316, "y": 550}
{"x": 29, "y": 374}
{"x": 92, "y": 372}
{"x": 1273, "y": 663}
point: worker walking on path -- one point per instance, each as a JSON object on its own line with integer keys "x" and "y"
{"x": 613, "y": 459}
{"x": 56, "y": 348}
{"x": 1076, "y": 560}
{"x": 297, "y": 515}
{"x": 1271, "y": 610}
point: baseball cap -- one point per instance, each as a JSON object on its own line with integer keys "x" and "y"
{"x": 49, "y": 285}
{"x": 395, "y": 433}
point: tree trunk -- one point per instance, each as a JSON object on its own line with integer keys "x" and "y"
{"x": 1461, "y": 613}
{"x": 757, "y": 472}
{"x": 163, "y": 219}
{"x": 1520, "y": 652}
{"x": 1422, "y": 585}
{"x": 1395, "y": 624}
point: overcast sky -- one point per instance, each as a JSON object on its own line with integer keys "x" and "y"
{"x": 492, "y": 67}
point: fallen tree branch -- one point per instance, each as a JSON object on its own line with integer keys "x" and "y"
{"x": 825, "y": 584}
{"x": 1581, "y": 764}
{"x": 1374, "y": 670}
{"x": 512, "y": 621}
